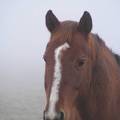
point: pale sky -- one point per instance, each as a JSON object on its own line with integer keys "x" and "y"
{"x": 23, "y": 34}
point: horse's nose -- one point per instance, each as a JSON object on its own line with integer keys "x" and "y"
{"x": 55, "y": 116}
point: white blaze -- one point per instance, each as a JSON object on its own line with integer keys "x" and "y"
{"x": 54, "y": 96}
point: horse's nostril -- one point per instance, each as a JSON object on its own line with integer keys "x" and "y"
{"x": 61, "y": 116}
{"x": 57, "y": 116}
{"x": 44, "y": 115}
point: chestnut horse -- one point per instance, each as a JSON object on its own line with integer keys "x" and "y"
{"x": 82, "y": 75}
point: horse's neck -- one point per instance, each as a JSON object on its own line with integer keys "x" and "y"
{"x": 102, "y": 100}
{"x": 106, "y": 71}
{"x": 107, "y": 68}
{"x": 105, "y": 84}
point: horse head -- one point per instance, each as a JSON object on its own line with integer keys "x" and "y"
{"x": 68, "y": 59}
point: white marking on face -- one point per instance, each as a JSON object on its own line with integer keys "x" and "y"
{"x": 54, "y": 96}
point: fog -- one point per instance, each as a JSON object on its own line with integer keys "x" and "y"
{"x": 23, "y": 38}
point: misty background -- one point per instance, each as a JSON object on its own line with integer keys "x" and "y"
{"x": 23, "y": 38}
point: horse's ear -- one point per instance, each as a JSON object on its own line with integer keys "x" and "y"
{"x": 85, "y": 23}
{"x": 51, "y": 21}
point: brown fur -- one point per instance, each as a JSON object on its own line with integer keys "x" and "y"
{"x": 90, "y": 91}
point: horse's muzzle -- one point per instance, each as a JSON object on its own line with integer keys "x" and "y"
{"x": 57, "y": 116}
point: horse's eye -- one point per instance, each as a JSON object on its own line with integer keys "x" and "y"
{"x": 79, "y": 63}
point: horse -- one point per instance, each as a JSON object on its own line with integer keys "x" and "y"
{"x": 82, "y": 75}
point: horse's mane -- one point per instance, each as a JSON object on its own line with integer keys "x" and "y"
{"x": 117, "y": 57}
